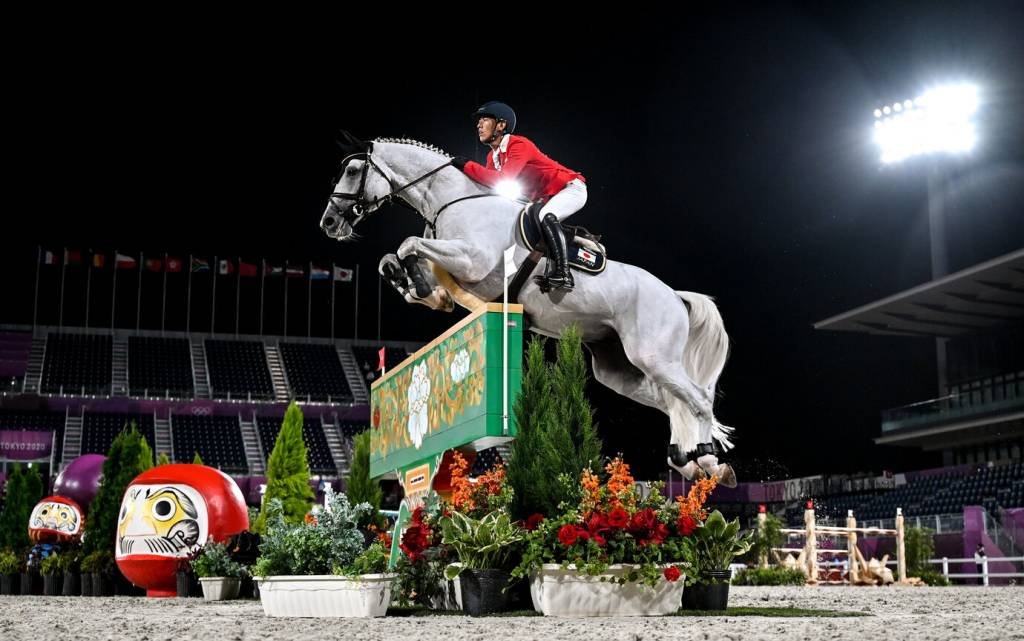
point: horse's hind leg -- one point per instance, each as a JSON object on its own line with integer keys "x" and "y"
{"x": 614, "y": 370}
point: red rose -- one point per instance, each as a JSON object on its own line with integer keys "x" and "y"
{"x": 597, "y": 523}
{"x": 415, "y": 540}
{"x": 686, "y": 524}
{"x": 534, "y": 521}
{"x": 600, "y": 540}
{"x": 618, "y": 518}
{"x": 417, "y": 515}
{"x": 567, "y": 535}
{"x": 659, "y": 534}
{"x": 582, "y": 534}
{"x": 672, "y": 573}
{"x": 644, "y": 520}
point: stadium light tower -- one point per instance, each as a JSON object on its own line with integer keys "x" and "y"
{"x": 936, "y": 124}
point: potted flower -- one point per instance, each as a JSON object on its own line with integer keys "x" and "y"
{"x": 420, "y": 570}
{"x": 483, "y": 547}
{"x": 10, "y": 573}
{"x": 613, "y": 553}
{"x": 53, "y": 575}
{"x": 220, "y": 576}
{"x": 322, "y": 567}
{"x": 715, "y": 543}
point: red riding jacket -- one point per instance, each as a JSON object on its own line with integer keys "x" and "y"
{"x": 517, "y": 157}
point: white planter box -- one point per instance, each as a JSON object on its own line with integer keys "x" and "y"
{"x": 219, "y": 588}
{"x": 326, "y": 595}
{"x": 563, "y": 593}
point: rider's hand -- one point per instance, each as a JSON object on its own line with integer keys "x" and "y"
{"x": 459, "y": 162}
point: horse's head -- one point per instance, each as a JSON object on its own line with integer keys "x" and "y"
{"x": 361, "y": 189}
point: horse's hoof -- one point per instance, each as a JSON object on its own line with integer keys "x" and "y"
{"x": 690, "y": 471}
{"x": 726, "y": 475}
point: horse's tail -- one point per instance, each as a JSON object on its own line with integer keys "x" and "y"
{"x": 707, "y": 348}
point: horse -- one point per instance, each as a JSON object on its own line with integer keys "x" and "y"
{"x": 663, "y": 348}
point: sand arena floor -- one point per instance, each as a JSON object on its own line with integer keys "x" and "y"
{"x": 896, "y": 613}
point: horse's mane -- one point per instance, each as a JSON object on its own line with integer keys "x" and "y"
{"x": 414, "y": 143}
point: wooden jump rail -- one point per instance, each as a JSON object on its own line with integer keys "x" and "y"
{"x": 809, "y": 553}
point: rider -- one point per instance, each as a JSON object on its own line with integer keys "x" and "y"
{"x": 516, "y": 157}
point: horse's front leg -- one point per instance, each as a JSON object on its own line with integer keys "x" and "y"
{"x": 394, "y": 272}
{"x": 460, "y": 258}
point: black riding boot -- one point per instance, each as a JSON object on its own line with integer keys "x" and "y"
{"x": 558, "y": 275}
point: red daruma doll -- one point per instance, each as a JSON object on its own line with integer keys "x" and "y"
{"x": 56, "y": 519}
{"x": 167, "y": 514}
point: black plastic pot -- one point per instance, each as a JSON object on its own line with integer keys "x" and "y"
{"x": 85, "y": 580}
{"x": 102, "y": 585}
{"x": 31, "y": 583}
{"x": 71, "y": 585}
{"x": 10, "y": 584}
{"x": 483, "y": 591}
{"x": 188, "y": 585}
{"x": 53, "y": 584}
{"x": 711, "y": 593}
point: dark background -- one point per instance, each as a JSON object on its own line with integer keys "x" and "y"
{"x": 727, "y": 152}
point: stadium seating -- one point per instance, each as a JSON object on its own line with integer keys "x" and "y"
{"x": 77, "y": 363}
{"x": 160, "y": 367}
{"x": 314, "y": 372}
{"x": 217, "y": 439}
{"x": 238, "y": 369}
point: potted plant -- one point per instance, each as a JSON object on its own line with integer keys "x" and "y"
{"x": 483, "y": 547}
{"x": 420, "y": 569}
{"x": 187, "y": 581}
{"x": 99, "y": 565}
{"x": 714, "y": 545}
{"x": 611, "y": 553}
{"x": 53, "y": 575}
{"x": 220, "y": 576}
{"x": 10, "y": 573}
{"x": 69, "y": 562}
{"x": 31, "y": 579}
{"x": 323, "y": 566}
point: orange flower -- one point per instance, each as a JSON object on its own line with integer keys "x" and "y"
{"x": 462, "y": 489}
{"x": 591, "y": 491}
{"x": 620, "y": 483}
{"x": 693, "y": 503}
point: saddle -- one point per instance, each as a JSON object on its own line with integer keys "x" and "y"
{"x": 585, "y": 251}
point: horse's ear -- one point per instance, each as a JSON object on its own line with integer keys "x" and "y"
{"x": 350, "y": 144}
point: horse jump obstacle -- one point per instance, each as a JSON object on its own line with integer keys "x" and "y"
{"x": 857, "y": 564}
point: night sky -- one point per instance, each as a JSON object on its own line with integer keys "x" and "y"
{"x": 727, "y": 153}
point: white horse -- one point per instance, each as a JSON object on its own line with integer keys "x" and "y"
{"x": 660, "y": 347}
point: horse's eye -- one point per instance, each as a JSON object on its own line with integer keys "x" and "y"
{"x": 351, "y": 171}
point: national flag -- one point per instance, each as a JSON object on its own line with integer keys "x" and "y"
{"x": 72, "y": 257}
{"x": 154, "y": 264}
{"x": 49, "y": 258}
{"x": 295, "y": 270}
{"x": 380, "y": 355}
{"x": 246, "y": 270}
{"x": 125, "y": 262}
{"x": 344, "y": 275}
{"x": 200, "y": 265}
{"x": 272, "y": 270}
{"x": 318, "y": 273}
{"x": 99, "y": 261}
{"x": 225, "y": 267}
{"x": 173, "y": 265}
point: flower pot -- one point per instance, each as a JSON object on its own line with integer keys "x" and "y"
{"x": 85, "y": 579}
{"x": 10, "y": 584}
{"x": 220, "y": 588}
{"x": 450, "y": 597}
{"x": 326, "y": 595}
{"x": 31, "y": 583}
{"x": 712, "y": 593}
{"x": 558, "y": 592}
{"x": 188, "y": 585}
{"x": 102, "y": 585}
{"x": 483, "y": 591}
{"x": 71, "y": 585}
{"x": 53, "y": 584}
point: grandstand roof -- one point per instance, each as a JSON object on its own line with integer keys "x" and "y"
{"x": 986, "y": 296}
